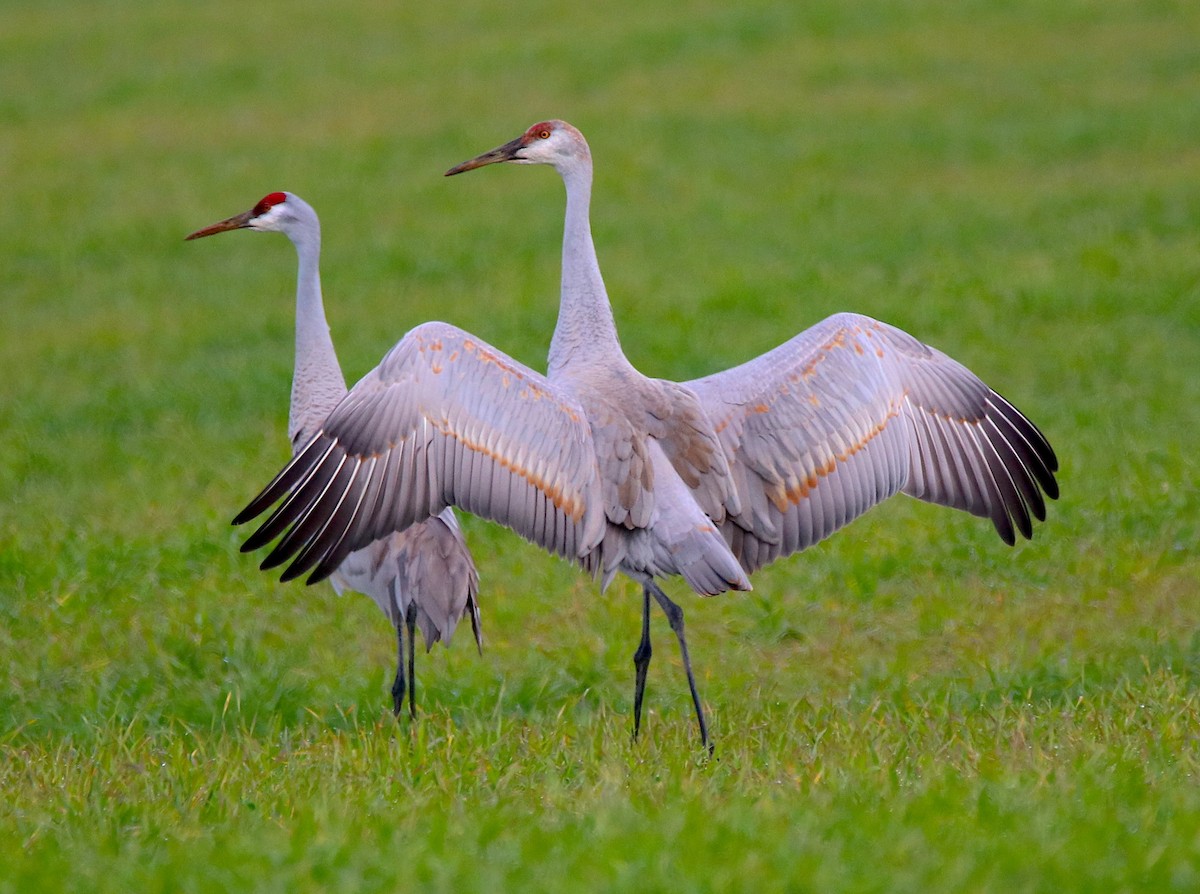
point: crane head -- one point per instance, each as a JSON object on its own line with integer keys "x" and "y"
{"x": 551, "y": 142}
{"x": 273, "y": 212}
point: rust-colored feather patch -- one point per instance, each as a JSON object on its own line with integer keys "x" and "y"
{"x": 570, "y": 504}
{"x": 782, "y": 496}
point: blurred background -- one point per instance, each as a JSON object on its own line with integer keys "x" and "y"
{"x": 1017, "y": 184}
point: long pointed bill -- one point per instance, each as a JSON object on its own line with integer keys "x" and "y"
{"x": 237, "y": 222}
{"x": 507, "y": 152}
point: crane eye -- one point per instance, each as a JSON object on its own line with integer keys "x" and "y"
{"x": 543, "y": 134}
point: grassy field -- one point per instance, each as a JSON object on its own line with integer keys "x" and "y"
{"x": 909, "y": 707}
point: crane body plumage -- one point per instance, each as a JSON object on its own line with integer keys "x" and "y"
{"x": 423, "y": 576}
{"x": 708, "y": 480}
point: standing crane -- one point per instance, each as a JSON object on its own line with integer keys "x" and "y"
{"x": 423, "y": 576}
{"x": 708, "y": 480}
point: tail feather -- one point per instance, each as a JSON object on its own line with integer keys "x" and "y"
{"x": 705, "y": 562}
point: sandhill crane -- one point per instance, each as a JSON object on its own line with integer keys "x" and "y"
{"x": 709, "y": 479}
{"x": 421, "y": 577}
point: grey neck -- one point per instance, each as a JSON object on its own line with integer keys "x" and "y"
{"x": 585, "y": 333}
{"x": 317, "y": 381}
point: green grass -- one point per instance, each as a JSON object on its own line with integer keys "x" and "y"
{"x": 908, "y": 707}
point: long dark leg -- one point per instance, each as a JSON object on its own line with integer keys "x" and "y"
{"x": 675, "y": 616}
{"x": 641, "y": 661}
{"x": 410, "y": 621}
{"x": 398, "y": 685}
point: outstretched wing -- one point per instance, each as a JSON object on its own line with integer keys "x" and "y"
{"x": 852, "y": 411}
{"x": 444, "y": 420}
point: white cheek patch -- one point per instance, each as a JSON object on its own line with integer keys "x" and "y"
{"x": 271, "y": 220}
